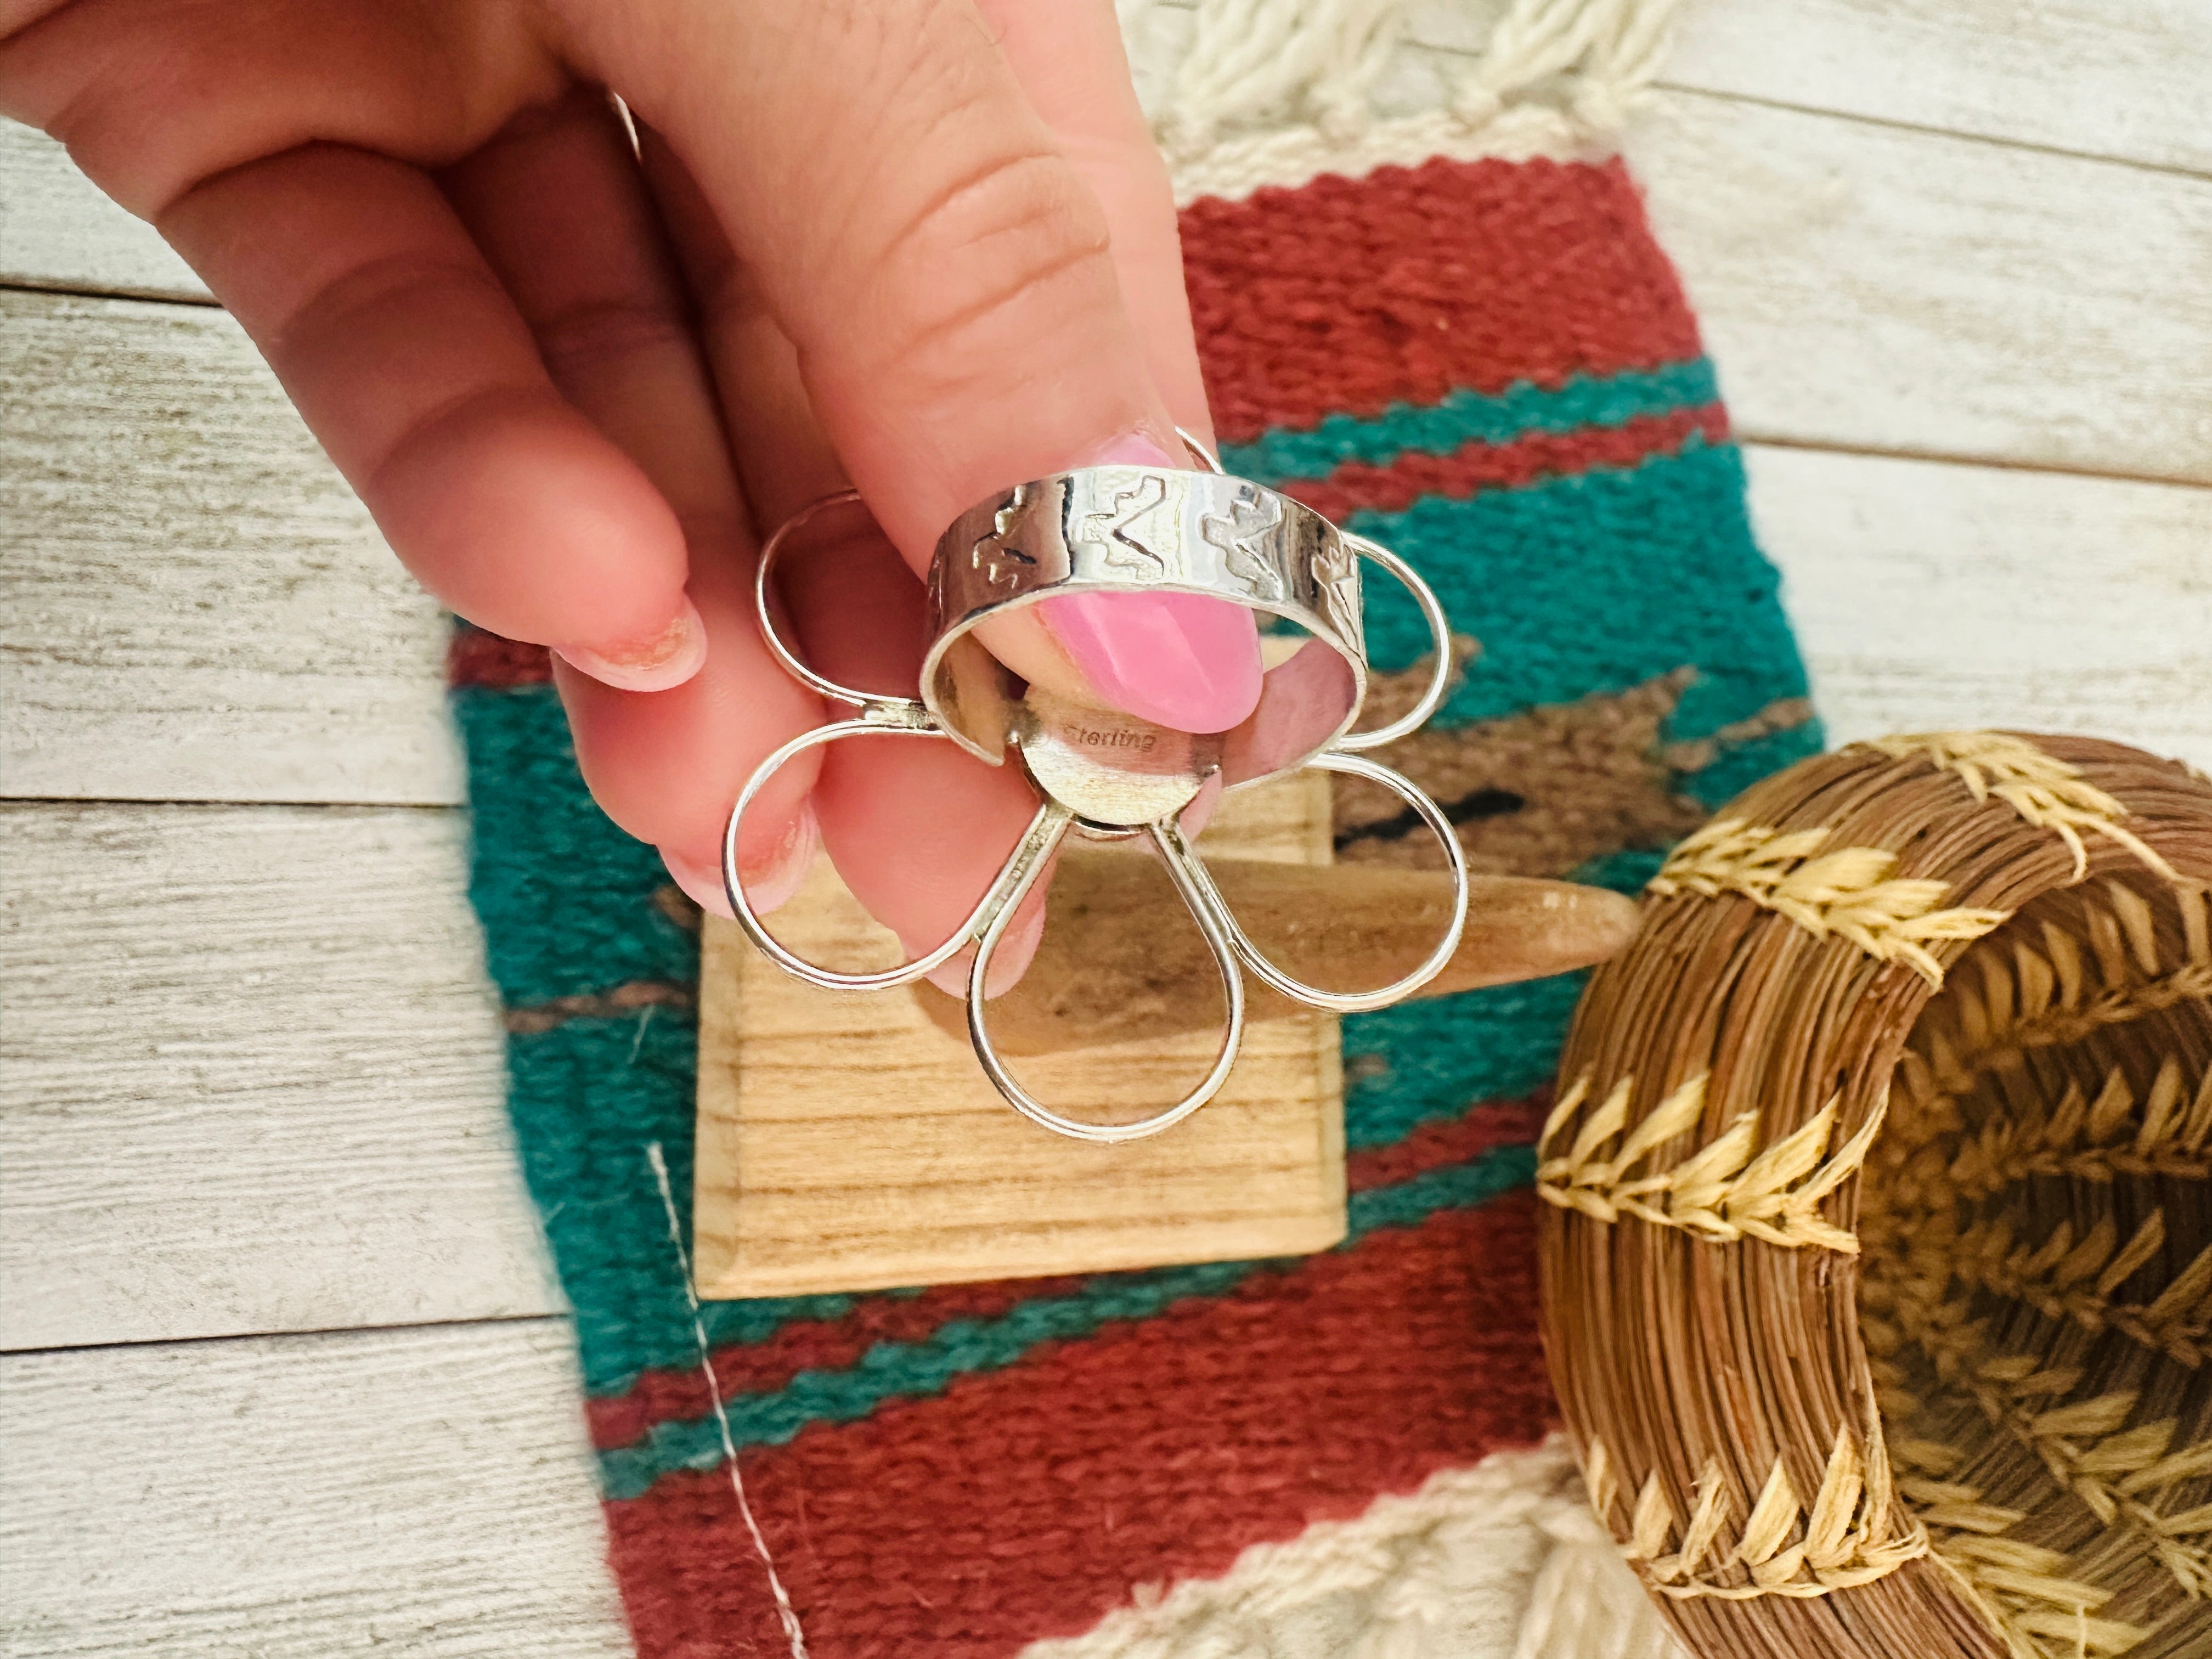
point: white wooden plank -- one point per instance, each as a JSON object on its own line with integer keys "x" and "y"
{"x": 1870, "y": 286}
{"x": 2127, "y": 79}
{"x": 59, "y": 230}
{"x": 321, "y": 683}
{"x": 425, "y": 1492}
{"x": 1872, "y": 289}
{"x": 176, "y": 544}
{"x": 1931, "y": 596}
{"x": 196, "y": 605}
{"x": 2124, "y": 79}
{"x": 252, "y": 1077}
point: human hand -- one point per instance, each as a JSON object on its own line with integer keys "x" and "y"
{"x": 924, "y": 246}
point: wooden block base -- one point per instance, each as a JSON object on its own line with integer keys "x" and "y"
{"x": 846, "y": 1143}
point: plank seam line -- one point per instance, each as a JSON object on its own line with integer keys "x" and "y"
{"x": 2168, "y": 168}
{"x": 1748, "y": 438}
{"x": 249, "y": 803}
{"x": 36, "y": 1351}
{"x": 19, "y": 284}
{"x": 1464, "y": 55}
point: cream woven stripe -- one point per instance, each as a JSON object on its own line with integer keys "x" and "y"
{"x": 1278, "y": 91}
{"x": 1504, "y": 1561}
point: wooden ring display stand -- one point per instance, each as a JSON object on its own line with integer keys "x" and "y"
{"x": 1877, "y": 1241}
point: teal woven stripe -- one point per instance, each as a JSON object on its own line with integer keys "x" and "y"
{"x": 565, "y": 897}
{"x": 917, "y": 1369}
{"x": 1467, "y": 417}
{"x": 1596, "y": 582}
{"x": 1745, "y": 765}
{"x": 1429, "y": 1059}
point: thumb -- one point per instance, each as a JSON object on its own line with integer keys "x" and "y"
{"x": 946, "y": 275}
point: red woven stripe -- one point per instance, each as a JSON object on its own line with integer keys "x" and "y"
{"x": 1023, "y": 1502}
{"x": 840, "y": 1344}
{"x": 475, "y": 658}
{"x": 1440, "y": 1146}
{"x": 807, "y": 1345}
{"x": 1346, "y": 297}
{"x": 1477, "y": 467}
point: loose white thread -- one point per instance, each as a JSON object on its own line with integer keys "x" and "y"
{"x": 785, "y": 1615}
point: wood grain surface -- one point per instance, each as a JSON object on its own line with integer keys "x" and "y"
{"x": 416, "y": 1492}
{"x": 1887, "y": 290}
{"x": 2123, "y": 79}
{"x": 196, "y": 607}
{"x": 58, "y": 231}
{"x": 252, "y": 1076}
{"x": 949, "y": 1184}
{"x": 1938, "y": 597}
{"x": 1871, "y": 286}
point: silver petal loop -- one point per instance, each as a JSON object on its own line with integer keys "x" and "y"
{"x": 1118, "y": 529}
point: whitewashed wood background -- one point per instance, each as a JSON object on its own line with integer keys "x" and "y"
{"x": 284, "y": 1371}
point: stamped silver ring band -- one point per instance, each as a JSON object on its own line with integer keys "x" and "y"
{"x": 1120, "y": 529}
{"x": 1290, "y": 561}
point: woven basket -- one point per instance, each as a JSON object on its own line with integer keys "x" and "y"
{"x": 1878, "y": 1242}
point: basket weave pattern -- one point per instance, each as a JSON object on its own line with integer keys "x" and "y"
{"x": 1877, "y": 1241}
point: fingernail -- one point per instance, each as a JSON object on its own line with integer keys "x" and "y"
{"x": 666, "y": 659}
{"x": 1181, "y": 660}
{"x": 1008, "y": 962}
{"x": 1135, "y": 449}
{"x": 1177, "y": 659}
{"x": 770, "y": 878}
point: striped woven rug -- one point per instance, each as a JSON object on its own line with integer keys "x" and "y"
{"x": 1450, "y": 328}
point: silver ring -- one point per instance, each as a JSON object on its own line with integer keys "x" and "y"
{"x": 1432, "y": 612}
{"x": 1131, "y": 529}
{"x": 1121, "y": 529}
{"x": 764, "y": 610}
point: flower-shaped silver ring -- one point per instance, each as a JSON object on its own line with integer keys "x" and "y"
{"x": 1107, "y": 775}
